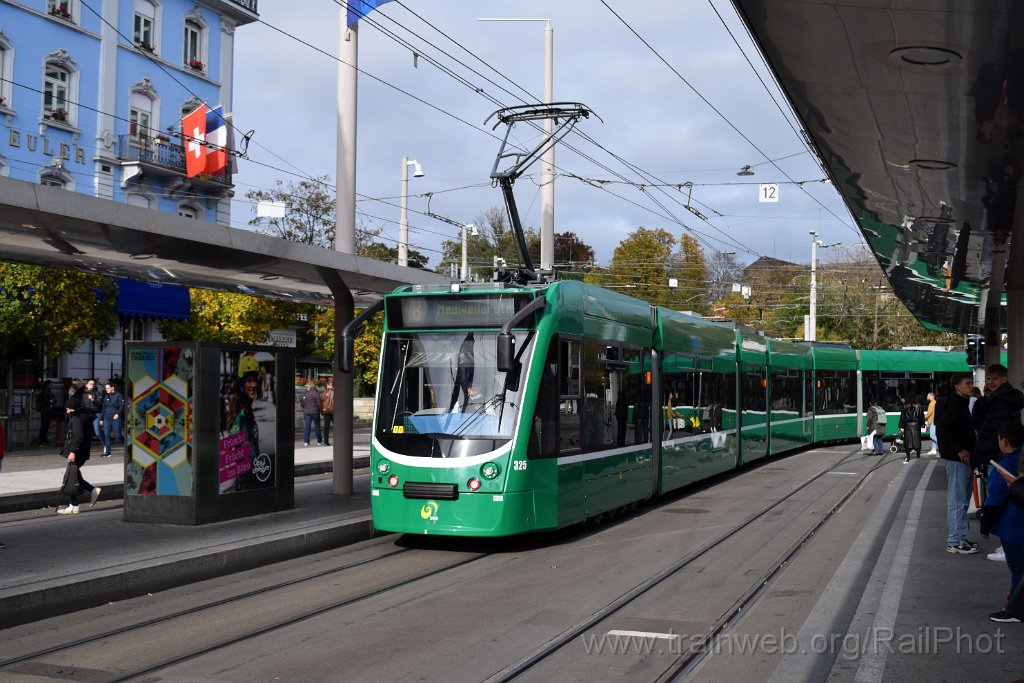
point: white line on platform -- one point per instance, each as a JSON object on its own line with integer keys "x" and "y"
{"x": 644, "y": 634}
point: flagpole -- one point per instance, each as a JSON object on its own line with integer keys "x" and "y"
{"x": 344, "y": 241}
{"x": 345, "y": 211}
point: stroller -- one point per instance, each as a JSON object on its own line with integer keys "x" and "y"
{"x": 897, "y": 443}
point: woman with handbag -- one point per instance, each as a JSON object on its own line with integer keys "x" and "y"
{"x": 76, "y": 449}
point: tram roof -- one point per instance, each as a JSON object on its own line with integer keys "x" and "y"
{"x": 52, "y": 227}
{"x": 904, "y": 104}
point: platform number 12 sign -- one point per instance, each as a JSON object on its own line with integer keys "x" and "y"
{"x": 769, "y": 193}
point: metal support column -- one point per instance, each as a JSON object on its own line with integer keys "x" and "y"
{"x": 344, "y": 311}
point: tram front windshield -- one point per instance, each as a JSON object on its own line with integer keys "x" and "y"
{"x": 442, "y": 396}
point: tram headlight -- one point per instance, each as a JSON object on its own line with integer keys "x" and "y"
{"x": 393, "y": 480}
{"x": 489, "y": 470}
{"x": 383, "y": 467}
{"x": 474, "y": 484}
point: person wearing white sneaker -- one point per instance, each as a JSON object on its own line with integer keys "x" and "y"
{"x": 1006, "y": 521}
{"x": 77, "y": 445}
{"x": 998, "y": 555}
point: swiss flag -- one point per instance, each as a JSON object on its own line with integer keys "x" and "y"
{"x": 193, "y": 130}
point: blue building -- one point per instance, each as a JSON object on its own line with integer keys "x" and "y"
{"x": 93, "y": 92}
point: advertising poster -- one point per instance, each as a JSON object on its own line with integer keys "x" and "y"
{"x": 160, "y": 386}
{"x": 248, "y": 422}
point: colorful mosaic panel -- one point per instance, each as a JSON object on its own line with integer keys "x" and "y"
{"x": 160, "y": 427}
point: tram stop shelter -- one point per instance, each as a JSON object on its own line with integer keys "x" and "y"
{"x": 915, "y": 110}
{"x": 51, "y": 227}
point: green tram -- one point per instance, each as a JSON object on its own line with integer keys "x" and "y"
{"x": 504, "y": 409}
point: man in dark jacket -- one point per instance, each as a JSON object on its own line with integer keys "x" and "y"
{"x": 77, "y": 445}
{"x": 956, "y": 444}
{"x": 110, "y": 418}
{"x": 311, "y": 409}
{"x": 1001, "y": 404}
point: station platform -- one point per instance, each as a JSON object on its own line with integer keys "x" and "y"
{"x": 898, "y": 608}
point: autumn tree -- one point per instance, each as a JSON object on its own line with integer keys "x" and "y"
{"x": 640, "y": 266}
{"x": 229, "y": 318}
{"x": 690, "y": 271}
{"x": 51, "y": 311}
{"x": 308, "y": 211}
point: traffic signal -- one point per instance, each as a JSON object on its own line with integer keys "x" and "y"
{"x": 975, "y": 350}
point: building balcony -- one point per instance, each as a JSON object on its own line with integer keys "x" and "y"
{"x": 247, "y": 4}
{"x": 161, "y": 158}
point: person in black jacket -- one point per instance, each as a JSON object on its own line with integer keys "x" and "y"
{"x": 77, "y": 445}
{"x": 956, "y": 443}
{"x": 910, "y": 425}
{"x": 1002, "y": 403}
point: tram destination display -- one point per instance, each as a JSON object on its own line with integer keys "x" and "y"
{"x": 427, "y": 312}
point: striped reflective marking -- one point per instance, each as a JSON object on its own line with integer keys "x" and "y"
{"x": 644, "y": 634}
{"x": 639, "y": 449}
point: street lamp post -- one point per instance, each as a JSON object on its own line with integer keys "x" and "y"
{"x": 403, "y": 220}
{"x": 547, "y": 162}
{"x": 467, "y": 229}
{"x": 812, "y": 319}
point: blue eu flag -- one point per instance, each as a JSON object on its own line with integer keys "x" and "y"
{"x": 357, "y": 9}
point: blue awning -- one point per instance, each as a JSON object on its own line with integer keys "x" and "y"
{"x": 152, "y": 300}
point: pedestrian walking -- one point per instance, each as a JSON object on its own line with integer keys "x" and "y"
{"x": 929, "y": 419}
{"x": 110, "y": 417}
{"x": 910, "y": 425}
{"x": 956, "y": 443}
{"x": 876, "y": 427}
{"x": 1014, "y": 610}
{"x": 311, "y": 409}
{"x": 327, "y": 410}
{"x": 92, "y": 399}
{"x": 77, "y": 445}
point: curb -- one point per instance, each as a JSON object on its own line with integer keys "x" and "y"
{"x": 35, "y": 500}
{"x": 56, "y": 597}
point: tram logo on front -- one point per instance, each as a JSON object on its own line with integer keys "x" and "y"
{"x": 429, "y": 511}
{"x": 261, "y": 467}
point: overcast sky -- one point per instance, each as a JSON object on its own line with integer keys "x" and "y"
{"x": 649, "y": 116}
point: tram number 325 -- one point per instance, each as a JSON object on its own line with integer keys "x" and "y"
{"x": 518, "y": 465}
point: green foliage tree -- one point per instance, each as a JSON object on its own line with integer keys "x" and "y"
{"x": 496, "y": 239}
{"x": 382, "y": 252}
{"x": 58, "y": 309}
{"x": 230, "y": 318}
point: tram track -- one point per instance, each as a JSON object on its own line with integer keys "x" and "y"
{"x": 11, "y": 664}
{"x": 687, "y": 661}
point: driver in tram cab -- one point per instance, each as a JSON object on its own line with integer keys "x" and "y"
{"x": 474, "y": 401}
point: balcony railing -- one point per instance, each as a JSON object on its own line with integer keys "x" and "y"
{"x": 247, "y": 4}
{"x": 162, "y": 155}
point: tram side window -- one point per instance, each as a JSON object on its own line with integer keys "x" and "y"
{"x": 569, "y": 399}
{"x": 787, "y": 392}
{"x": 836, "y": 393}
{"x": 544, "y": 439}
{"x": 698, "y": 399}
{"x": 754, "y": 393}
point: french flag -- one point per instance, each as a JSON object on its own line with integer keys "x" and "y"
{"x": 217, "y": 140}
